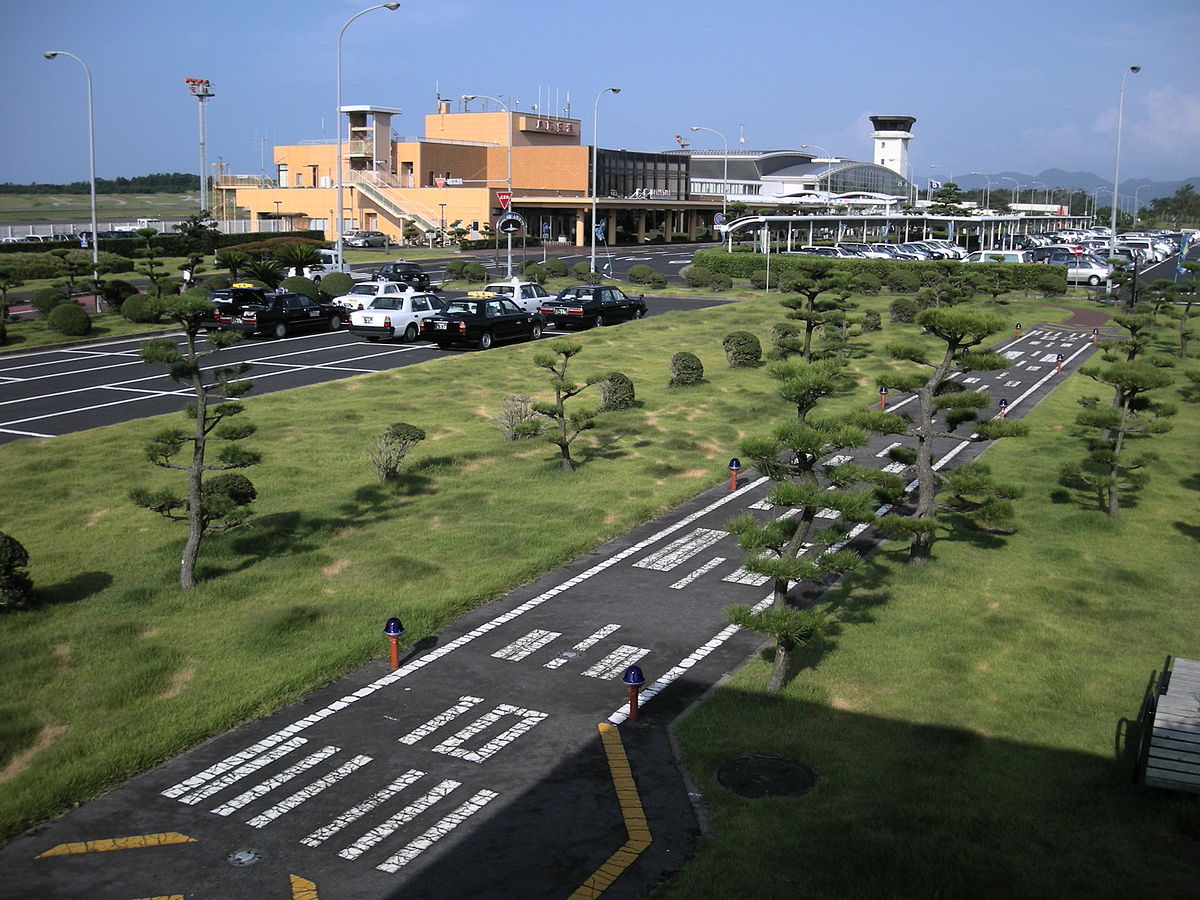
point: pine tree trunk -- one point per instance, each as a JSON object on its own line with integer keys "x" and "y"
{"x": 783, "y": 652}
{"x": 195, "y": 520}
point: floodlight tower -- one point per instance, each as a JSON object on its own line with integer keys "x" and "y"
{"x": 202, "y": 90}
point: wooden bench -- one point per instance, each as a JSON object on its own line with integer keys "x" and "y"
{"x": 1169, "y": 755}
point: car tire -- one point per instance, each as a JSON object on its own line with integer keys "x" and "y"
{"x": 598, "y": 322}
{"x": 443, "y": 345}
{"x": 410, "y": 333}
{"x": 485, "y": 340}
{"x": 335, "y": 322}
{"x": 535, "y": 332}
{"x": 280, "y": 330}
{"x": 316, "y": 279}
{"x": 641, "y": 313}
{"x": 1094, "y": 280}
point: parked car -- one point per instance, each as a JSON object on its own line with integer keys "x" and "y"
{"x": 921, "y": 251}
{"x": 394, "y": 315}
{"x": 229, "y": 302}
{"x": 1087, "y": 271}
{"x": 529, "y": 295}
{"x": 365, "y": 239}
{"x": 589, "y": 305}
{"x": 365, "y": 293}
{"x": 1008, "y": 256}
{"x": 481, "y": 322}
{"x": 862, "y": 249}
{"x": 405, "y": 272}
{"x": 280, "y": 314}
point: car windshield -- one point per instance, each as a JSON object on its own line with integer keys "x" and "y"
{"x": 463, "y": 306}
{"x": 363, "y": 289}
{"x": 576, "y": 294}
{"x": 387, "y": 303}
{"x": 503, "y": 290}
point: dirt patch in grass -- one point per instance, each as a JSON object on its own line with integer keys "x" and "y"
{"x": 62, "y": 658}
{"x": 94, "y": 518}
{"x": 179, "y": 681}
{"x": 47, "y": 736}
{"x": 335, "y": 568}
{"x": 151, "y": 632}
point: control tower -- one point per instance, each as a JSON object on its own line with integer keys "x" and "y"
{"x": 891, "y": 135}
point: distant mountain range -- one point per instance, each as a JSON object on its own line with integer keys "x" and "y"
{"x": 1146, "y": 190}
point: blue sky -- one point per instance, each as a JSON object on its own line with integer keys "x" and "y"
{"x": 999, "y": 86}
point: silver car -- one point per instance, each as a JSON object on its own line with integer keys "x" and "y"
{"x": 1087, "y": 271}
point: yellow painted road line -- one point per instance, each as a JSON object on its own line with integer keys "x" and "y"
{"x": 135, "y": 842}
{"x": 303, "y": 889}
{"x": 636, "y": 827}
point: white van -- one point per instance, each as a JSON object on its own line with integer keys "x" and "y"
{"x": 1008, "y": 256}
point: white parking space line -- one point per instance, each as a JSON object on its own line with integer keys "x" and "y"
{"x": 410, "y": 812}
{"x": 444, "y": 826}
{"x": 692, "y": 576}
{"x": 463, "y": 704}
{"x": 307, "y": 793}
{"x": 680, "y": 551}
{"x": 616, "y": 662}
{"x": 265, "y": 787}
{"x": 530, "y": 643}
{"x": 888, "y": 449}
{"x": 35, "y": 434}
{"x": 254, "y": 760}
{"x": 526, "y": 719}
{"x": 586, "y": 644}
{"x": 325, "y": 832}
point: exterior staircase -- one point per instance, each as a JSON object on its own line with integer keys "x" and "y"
{"x": 383, "y": 196}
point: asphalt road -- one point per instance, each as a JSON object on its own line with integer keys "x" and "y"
{"x": 54, "y": 391}
{"x": 498, "y": 760}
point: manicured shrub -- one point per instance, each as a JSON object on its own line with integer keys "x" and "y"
{"x": 391, "y": 446}
{"x": 45, "y": 299}
{"x": 720, "y": 282}
{"x": 742, "y": 350}
{"x": 616, "y": 392}
{"x": 69, "y": 319}
{"x": 697, "y": 276}
{"x": 658, "y": 281}
{"x": 641, "y": 274}
{"x": 758, "y": 278}
{"x": 1051, "y": 282}
{"x": 298, "y": 284}
{"x": 534, "y": 272}
{"x": 454, "y": 269}
{"x": 686, "y": 369}
{"x": 782, "y": 337}
{"x": 516, "y": 419}
{"x": 474, "y": 272}
{"x": 335, "y": 284}
{"x": 581, "y": 270}
{"x": 903, "y": 280}
{"x": 872, "y": 321}
{"x": 16, "y": 588}
{"x": 114, "y": 293}
{"x": 140, "y": 308}
{"x": 867, "y": 284}
{"x": 903, "y": 309}
{"x": 556, "y": 267}
{"x": 215, "y": 283}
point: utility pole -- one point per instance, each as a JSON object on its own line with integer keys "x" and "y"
{"x": 202, "y": 90}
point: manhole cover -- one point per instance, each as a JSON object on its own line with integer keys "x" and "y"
{"x": 766, "y": 776}
{"x": 243, "y": 857}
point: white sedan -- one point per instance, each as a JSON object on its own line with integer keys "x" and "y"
{"x": 363, "y": 295}
{"x": 394, "y": 316}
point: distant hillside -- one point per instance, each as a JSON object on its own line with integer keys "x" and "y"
{"x": 1145, "y": 189}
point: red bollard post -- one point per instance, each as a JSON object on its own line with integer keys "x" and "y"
{"x": 735, "y": 466}
{"x": 633, "y": 703}
{"x": 1003, "y": 409}
{"x": 393, "y": 630}
{"x": 1059, "y": 361}
{"x": 1018, "y": 334}
{"x": 1095, "y": 335}
{"x": 883, "y": 398}
{"x": 633, "y": 679}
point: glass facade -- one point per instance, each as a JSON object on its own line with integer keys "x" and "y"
{"x": 649, "y": 176}
{"x": 865, "y": 177}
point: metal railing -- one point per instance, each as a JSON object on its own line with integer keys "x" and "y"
{"x": 377, "y": 190}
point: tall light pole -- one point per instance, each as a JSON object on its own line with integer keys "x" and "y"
{"x": 1033, "y": 197}
{"x": 828, "y": 160}
{"x": 1016, "y": 187}
{"x": 1112, "y": 237}
{"x": 987, "y": 192}
{"x": 1136, "y": 207}
{"x": 508, "y": 175}
{"x": 337, "y": 217}
{"x": 595, "y": 157}
{"x": 725, "y": 182}
{"x": 50, "y": 54}
{"x": 950, "y": 174}
{"x": 201, "y": 89}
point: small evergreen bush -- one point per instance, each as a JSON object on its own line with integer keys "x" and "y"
{"x": 658, "y": 281}
{"x": 115, "y": 292}
{"x": 742, "y": 350}
{"x": 903, "y": 309}
{"x": 556, "y": 267}
{"x": 474, "y": 272}
{"x": 140, "y": 308}
{"x": 534, "y": 272}
{"x": 903, "y": 280}
{"x": 581, "y": 270}
{"x": 45, "y": 299}
{"x": 616, "y": 392}
{"x": 872, "y": 321}
{"x": 720, "y": 282}
{"x": 215, "y": 283}
{"x": 697, "y": 276}
{"x": 298, "y": 284}
{"x": 454, "y": 269}
{"x": 867, "y": 284}
{"x": 782, "y": 335}
{"x": 334, "y": 285}
{"x": 758, "y": 278}
{"x": 686, "y": 369}
{"x": 16, "y": 588}
{"x": 391, "y": 446}
{"x": 1051, "y": 283}
{"x": 641, "y": 274}
{"x": 69, "y": 319}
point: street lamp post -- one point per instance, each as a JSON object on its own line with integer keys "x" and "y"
{"x": 725, "y": 182}
{"x": 1016, "y": 187}
{"x": 443, "y": 222}
{"x": 508, "y": 176}
{"x": 338, "y": 119}
{"x": 1112, "y": 237}
{"x": 595, "y": 157}
{"x": 50, "y": 54}
{"x": 987, "y": 191}
{"x": 829, "y": 161}
{"x": 1136, "y": 206}
{"x": 949, "y": 179}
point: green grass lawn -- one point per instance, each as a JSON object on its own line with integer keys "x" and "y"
{"x": 960, "y": 668}
{"x": 19, "y": 208}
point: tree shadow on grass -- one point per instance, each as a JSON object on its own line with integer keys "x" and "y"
{"x": 77, "y": 587}
{"x": 1187, "y": 529}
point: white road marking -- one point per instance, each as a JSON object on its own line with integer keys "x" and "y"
{"x": 265, "y": 787}
{"x": 251, "y": 759}
{"x": 410, "y": 812}
{"x": 895, "y": 467}
{"x": 680, "y": 551}
{"x": 422, "y": 731}
{"x": 616, "y": 662}
{"x": 840, "y": 459}
{"x": 530, "y": 643}
{"x": 742, "y": 575}
{"x": 325, "y": 832}
{"x": 527, "y": 718}
{"x": 888, "y": 449}
{"x": 1012, "y": 383}
{"x": 444, "y": 826}
{"x": 307, "y": 793}
{"x": 586, "y": 644}
{"x": 692, "y": 576}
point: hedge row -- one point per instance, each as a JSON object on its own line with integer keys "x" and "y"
{"x": 893, "y": 272}
{"x": 165, "y": 243}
